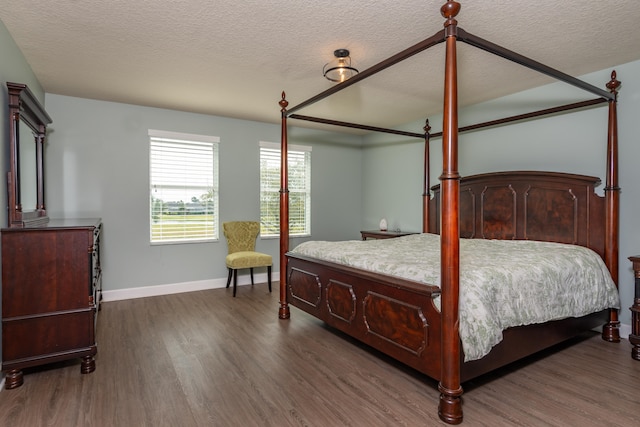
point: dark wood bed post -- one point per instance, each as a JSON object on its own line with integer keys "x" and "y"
{"x": 450, "y": 406}
{"x": 426, "y": 194}
{"x": 283, "y": 312}
{"x": 611, "y": 331}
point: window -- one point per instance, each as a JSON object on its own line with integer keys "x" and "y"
{"x": 299, "y": 164}
{"x": 183, "y": 190}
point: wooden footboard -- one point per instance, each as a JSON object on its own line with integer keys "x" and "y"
{"x": 396, "y": 316}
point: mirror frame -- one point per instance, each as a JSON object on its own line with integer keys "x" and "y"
{"x": 25, "y": 107}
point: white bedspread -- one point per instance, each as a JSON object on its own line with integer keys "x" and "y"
{"x": 503, "y": 283}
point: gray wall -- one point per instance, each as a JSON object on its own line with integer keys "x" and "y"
{"x": 98, "y": 166}
{"x": 572, "y": 142}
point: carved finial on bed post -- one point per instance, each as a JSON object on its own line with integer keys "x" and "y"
{"x": 283, "y": 103}
{"x": 450, "y": 10}
{"x": 611, "y": 330}
{"x": 614, "y": 84}
{"x": 426, "y": 196}
{"x": 426, "y": 127}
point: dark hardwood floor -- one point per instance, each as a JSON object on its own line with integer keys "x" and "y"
{"x": 207, "y": 359}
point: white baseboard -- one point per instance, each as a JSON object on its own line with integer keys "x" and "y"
{"x": 176, "y": 288}
{"x": 625, "y": 331}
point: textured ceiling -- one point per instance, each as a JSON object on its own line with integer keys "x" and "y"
{"x": 234, "y": 58}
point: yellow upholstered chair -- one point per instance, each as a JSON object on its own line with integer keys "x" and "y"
{"x": 241, "y": 241}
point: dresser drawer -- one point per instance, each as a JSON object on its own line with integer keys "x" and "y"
{"x": 49, "y": 335}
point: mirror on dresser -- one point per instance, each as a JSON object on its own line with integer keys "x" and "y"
{"x": 25, "y": 180}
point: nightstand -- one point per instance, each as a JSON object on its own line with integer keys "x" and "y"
{"x": 379, "y": 234}
{"x": 634, "y": 337}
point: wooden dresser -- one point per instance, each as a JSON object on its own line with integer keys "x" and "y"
{"x": 51, "y": 291}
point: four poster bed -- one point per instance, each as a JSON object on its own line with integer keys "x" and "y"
{"x": 429, "y": 320}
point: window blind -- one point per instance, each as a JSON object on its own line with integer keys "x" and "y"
{"x": 183, "y": 187}
{"x": 299, "y": 183}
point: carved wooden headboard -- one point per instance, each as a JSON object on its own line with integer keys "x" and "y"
{"x": 546, "y": 206}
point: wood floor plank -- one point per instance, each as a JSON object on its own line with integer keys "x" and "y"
{"x": 208, "y": 359}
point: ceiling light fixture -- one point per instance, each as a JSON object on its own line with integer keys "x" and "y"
{"x": 339, "y": 69}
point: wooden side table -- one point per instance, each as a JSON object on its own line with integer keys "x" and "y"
{"x": 634, "y": 338}
{"x": 379, "y": 234}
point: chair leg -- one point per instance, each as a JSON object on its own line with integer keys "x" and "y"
{"x": 234, "y": 273}
{"x": 235, "y": 281}
{"x": 229, "y": 277}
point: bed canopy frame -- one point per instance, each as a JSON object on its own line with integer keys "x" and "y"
{"x": 450, "y": 406}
